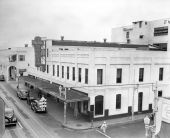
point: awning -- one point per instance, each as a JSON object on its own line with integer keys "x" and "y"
{"x": 72, "y": 95}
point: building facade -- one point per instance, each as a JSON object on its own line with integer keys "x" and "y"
{"x": 119, "y": 79}
{"x": 15, "y": 61}
{"x": 154, "y": 33}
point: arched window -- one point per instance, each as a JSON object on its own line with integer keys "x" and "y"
{"x": 99, "y": 105}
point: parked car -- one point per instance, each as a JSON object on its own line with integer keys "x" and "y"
{"x": 2, "y": 78}
{"x": 10, "y": 118}
{"x": 22, "y": 92}
{"x": 38, "y": 105}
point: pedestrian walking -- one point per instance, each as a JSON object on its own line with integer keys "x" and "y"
{"x": 103, "y": 127}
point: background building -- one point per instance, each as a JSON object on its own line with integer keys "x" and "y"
{"x": 153, "y": 33}
{"x": 118, "y": 78}
{"x": 15, "y": 61}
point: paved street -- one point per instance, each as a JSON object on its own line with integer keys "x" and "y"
{"x": 46, "y": 125}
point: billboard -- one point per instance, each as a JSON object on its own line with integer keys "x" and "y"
{"x": 166, "y": 110}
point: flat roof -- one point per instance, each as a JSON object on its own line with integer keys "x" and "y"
{"x": 72, "y": 95}
{"x": 95, "y": 44}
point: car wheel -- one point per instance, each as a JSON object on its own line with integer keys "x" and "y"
{"x": 31, "y": 107}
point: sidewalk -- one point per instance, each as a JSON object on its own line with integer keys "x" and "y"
{"x": 80, "y": 123}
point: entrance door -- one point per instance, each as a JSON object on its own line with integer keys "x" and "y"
{"x": 99, "y": 105}
{"x": 140, "y": 99}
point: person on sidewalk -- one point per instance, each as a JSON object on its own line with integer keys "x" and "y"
{"x": 103, "y": 127}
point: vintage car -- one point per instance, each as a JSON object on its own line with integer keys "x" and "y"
{"x": 2, "y": 78}
{"x": 10, "y": 118}
{"x": 22, "y": 92}
{"x": 38, "y": 105}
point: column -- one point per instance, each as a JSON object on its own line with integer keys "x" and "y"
{"x": 65, "y": 113}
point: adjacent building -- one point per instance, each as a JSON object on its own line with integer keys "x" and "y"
{"x": 153, "y": 33}
{"x": 15, "y": 61}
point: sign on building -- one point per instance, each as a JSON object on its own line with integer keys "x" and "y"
{"x": 62, "y": 92}
{"x": 166, "y": 110}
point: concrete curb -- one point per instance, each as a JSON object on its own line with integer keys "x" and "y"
{"x": 97, "y": 126}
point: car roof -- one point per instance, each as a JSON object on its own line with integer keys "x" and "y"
{"x": 7, "y": 109}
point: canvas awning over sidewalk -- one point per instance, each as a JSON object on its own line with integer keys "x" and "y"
{"x": 72, "y": 95}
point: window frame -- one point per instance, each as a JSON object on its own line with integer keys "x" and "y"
{"x": 161, "y": 71}
{"x": 118, "y": 101}
{"x": 79, "y": 74}
{"x": 47, "y": 68}
{"x": 73, "y": 73}
{"x": 68, "y": 72}
{"x": 99, "y": 80}
{"x": 58, "y": 71}
{"x": 141, "y": 74}
{"x": 53, "y": 70}
{"x": 62, "y": 68}
{"x": 21, "y": 58}
{"x": 160, "y": 91}
{"x": 119, "y": 75}
{"x": 86, "y": 75}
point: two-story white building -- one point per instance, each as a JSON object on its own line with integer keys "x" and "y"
{"x": 153, "y": 33}
{"x": 118, "y": 79}
{"x": 15, "y": 61}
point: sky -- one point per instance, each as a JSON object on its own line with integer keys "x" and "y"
{"x": 88, "y": 20}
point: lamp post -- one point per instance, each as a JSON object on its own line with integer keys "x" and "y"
{"x": 133, "y": 99}
{"x": 63, "y": 95}
{"x": 148, "y": 126}
{"x": 147, "y": 123}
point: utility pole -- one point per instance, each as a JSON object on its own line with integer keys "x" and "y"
{"x": 155, "y": 109}
{"x": 133, "y": 99}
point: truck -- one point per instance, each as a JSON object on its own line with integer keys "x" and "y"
{"x": 10, "y": 118}
{"x": 38, "y": 105}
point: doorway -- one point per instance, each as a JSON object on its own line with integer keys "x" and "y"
{"x": 140, "y": 101}
{"x": 99, "y": 105}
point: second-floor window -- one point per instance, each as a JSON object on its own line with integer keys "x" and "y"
{"x": 73, "y": 74}
{"x": 86, "y": 76}
{"x": 79, "y": 74}
{"x": 47, "y": 68}
{"x": 58, "y": 71}
{"x": 68, "y": 73}
{"x": 161, "y": 74}
{"x": 141, "y": 74}
{"x": 159, "y": 93}
{"x": 118, "y": 101}
{"x": 62, "y": 71}
{"x": 127, "y": 34}
{"x": 53, "y": 70}
{"x": 47, "y": 52}
{"x": 159, "y": 31}
{"x": 99, "y": 76}
{"x": 119, "y": 76}
{"x": 21, "y": 57}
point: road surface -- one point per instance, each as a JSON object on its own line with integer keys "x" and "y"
{"x": 33, "y": 125}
